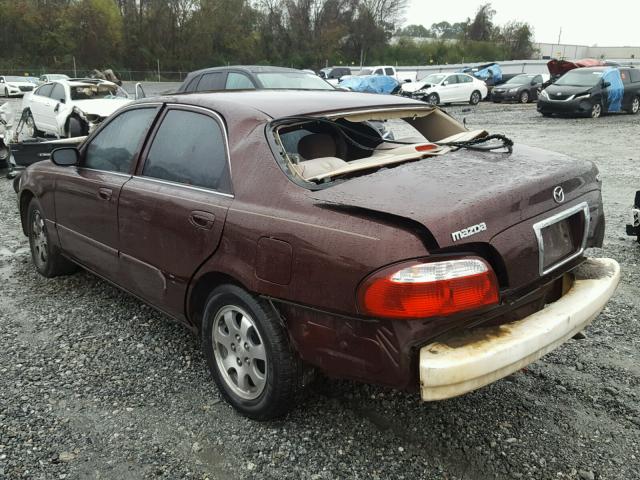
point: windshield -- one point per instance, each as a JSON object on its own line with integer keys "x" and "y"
{"x": 520, "y": 79}
{"x": 16, "y": 79}
{"x": 433, "y": 78}
{"x": 584, "y": 78}
{"x": 293, "y": 80}
{"x": 91, "y": 92}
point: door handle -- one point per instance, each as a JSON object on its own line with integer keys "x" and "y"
{"x": 105, "y": 193}
{"x": 203, "y": 220}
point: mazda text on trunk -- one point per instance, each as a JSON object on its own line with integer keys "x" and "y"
{"x": 285, "y": 232}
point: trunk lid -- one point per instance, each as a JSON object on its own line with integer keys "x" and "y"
{"x": 480, "y": 192}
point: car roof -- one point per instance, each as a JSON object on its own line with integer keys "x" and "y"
{"x": 284, "y": 103}
{"x": 248, "y": 68}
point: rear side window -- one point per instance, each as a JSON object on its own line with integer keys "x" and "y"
{"x": 57, "y": 93}
{"x": 191, "y": 86}
{"x": 45, "y": 90}
{"x": 211, "y": 81}
{"x": 238, "y": 81}
{"x": 189, "y": 148}
{"x": 464, "y": 79}
{"x": 624, "y": 74}
{"x": 635, "y": 75}
{"x": 115, "y": 146}
{"x": 378, "y": 72}
{"x": 452, "y": 79}
{"x": 388, "y": 71}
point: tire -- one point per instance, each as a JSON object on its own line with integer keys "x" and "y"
{"x": 524, "y": 97}
{"x": 75, "y": 128}
{"x": 271, "y": 371}
{"x": 432, "y": 99}
{"x": 635, "y": 106}
{"x": 475, "y": 98}
{"x": 596, "y": 110}
{"x": 6, "y": 92}
{"x": 46, "y": 257}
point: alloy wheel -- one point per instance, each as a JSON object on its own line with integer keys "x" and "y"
{"x": 524, "y": 97}
{"x": 239, "y": 352}
{"x": 31, "y": 125}
{"x": 635, "y": 106}
{"x": 596, "y": 110}
{"x": 475, "y": 98}
{"x": 39, "y": 242}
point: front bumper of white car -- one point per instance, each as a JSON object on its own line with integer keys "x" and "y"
{"x": 480, "y": 356}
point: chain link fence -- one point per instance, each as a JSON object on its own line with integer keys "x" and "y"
{"x": 80, "y": 72}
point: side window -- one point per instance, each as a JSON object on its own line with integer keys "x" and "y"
{"x": 44, "y": 90}
{"x": 57, "y": 93}
{"x": 634, "y": 74}
{"x": 451, "y": 80}
{"x": 191, "y": 87}
{"x": 464, "y": 79}
{"x": 238, "y": 81}
{"x": 378, "y": 72}
{"x": 189, "y": 148}
{"x": 388, "y": 71}
{"x": 624, "y": 74}
{"x": 115, "y": 146}
{"x": 211, "y": 81}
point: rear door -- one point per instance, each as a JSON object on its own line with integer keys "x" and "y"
{"x": 86, "y": 197}
{"x": 172, "y": 212}
{"x": 51, "y": 107}
{"x": 38, "y": 105}
{"x": 465, "y": 88}
{"x": 447, "y": 90}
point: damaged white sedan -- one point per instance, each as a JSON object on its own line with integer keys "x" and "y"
{"x": 71, "y": 108}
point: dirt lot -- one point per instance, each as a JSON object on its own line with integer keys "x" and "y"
{"x": 94, "y": 384}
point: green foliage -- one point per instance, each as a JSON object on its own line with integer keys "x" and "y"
{"x": 188, "y": 34}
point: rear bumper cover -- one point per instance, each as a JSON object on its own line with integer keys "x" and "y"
{"x": 480, "y": 356}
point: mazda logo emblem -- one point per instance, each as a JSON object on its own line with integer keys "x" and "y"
{"x": 558, "y": 194}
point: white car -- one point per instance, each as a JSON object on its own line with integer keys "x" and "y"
{"x": 71, "y": 108}
{"x": 52, "y": 77}
{"x": 439, "y": 88}
{"x": 14, "y": 86}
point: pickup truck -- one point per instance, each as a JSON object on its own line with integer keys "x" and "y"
{"x": 389, "y": 71}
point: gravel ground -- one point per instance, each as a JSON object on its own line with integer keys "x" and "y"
{"x": 94, "y": 384}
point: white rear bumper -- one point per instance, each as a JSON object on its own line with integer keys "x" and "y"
{"x": 480, "y": 356}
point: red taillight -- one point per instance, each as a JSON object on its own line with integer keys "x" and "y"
{"x": 432, "y": 289}
{"x": 426, "y": 147}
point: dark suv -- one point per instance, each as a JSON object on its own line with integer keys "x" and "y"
{"x": 593, "y": 91}
{"x": 247, "y": 77}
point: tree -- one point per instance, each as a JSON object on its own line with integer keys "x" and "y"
{"x": 517, "y": 37}
{"x": 96, "y": 29}
{"x": 481, "y": 29}
{"x": 415, "y": 31}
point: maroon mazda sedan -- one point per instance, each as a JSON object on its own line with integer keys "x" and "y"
{"x": 363, "y": 236}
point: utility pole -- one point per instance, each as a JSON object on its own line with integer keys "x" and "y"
{"x": 158, "y": 70}
{"x": 75, "y": 73}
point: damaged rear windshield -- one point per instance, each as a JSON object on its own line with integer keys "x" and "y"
{"x": 90, "y": 92}
{"x": 319, "y": 150}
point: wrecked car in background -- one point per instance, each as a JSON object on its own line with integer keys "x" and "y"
{"x": 370, "y": 84}
{"x": 438, "y": 262}
{"x": 12, "y": 86}
{"x": 633, "y": 228}
{"x": 439, "y": 88}
{"x": 557, "y": 68}
{"x": 593, "y": 91}
{"x": 71, "y": 108}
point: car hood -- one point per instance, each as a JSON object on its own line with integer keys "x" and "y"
{"x": 415, "y": 86}
{"x": 101, "y": 107}
{"x": 21, "y": 84}
{"x": 566, "y": 90}
{"x": 462, "y": 189}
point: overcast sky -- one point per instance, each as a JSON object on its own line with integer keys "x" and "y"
{"x": 613, "y": 23}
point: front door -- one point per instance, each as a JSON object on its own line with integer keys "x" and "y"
{"x": 86, "y": 197}
{"x": 172, "y": 212}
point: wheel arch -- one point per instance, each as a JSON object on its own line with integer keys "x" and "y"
{"x": 25, "y": 199}
{"x": 199, "y": 292}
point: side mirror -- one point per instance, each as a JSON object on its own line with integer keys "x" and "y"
{"x": 606, "y": 84}
{"x": 65, "y": 157}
